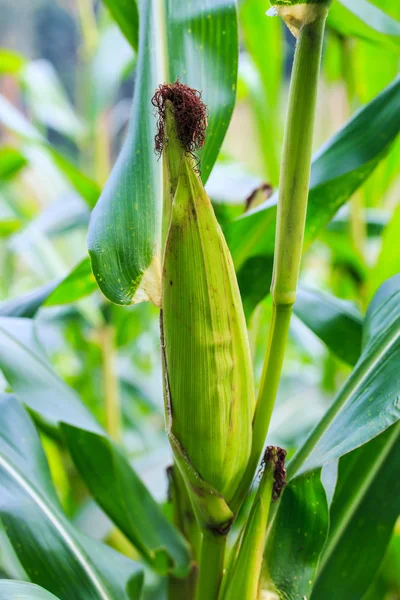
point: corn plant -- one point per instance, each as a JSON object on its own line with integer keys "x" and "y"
{"x": 252, "y": 511}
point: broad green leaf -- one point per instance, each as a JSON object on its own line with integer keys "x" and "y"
{"x": 369, "y": 401}
{"x": 76, "y": 285}
{"x": 199, "y": 40}
{"x": 297, "y": 537}
{"x": 20, "y": 590}
{"x": 364, "y": 511}
{"x": 338, "y": 169}
{"x": 104, "y": 467}
{"x": 11, "y": 62}
{"x": 11, "y": 162}
{"x": 48, "y": 100}
{"x": 53, "y": 553}
{"x": 360, "y": 18}
{"x": 336, "y": 322}
{"x": 125, "y": 13}
{"x": 50, "y": 399}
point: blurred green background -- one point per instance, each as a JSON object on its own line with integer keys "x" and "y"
{"x": 67, "y": 75}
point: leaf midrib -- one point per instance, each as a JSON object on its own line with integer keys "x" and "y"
{"x": 52, "y": 517}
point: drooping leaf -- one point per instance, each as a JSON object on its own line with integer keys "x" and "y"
{"x": 20, "y": 590}
{"x": 11, "y": 162}
{"x": 297, "y": 537}
{"x": 38, "y": 386}
{"x": 78, "y": 284}
{"x": 362, "y": 19}
{"x": 338, "y": 169}
{"x": 369, "y": 401}
{"x": 200, "y": 41}
{"x": 125, "y": 13}
{"x": 336, "y": 322}
{"x": 53, "y": 553}
{"x": 364, "y": 511}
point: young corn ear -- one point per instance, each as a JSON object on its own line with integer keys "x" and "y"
{"x": 242, "y": 578}
{"x": 207, "y": 363}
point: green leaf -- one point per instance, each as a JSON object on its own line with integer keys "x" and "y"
{"x": 336, "y": 322}
{"x": 200, "y": 41}
{"x": 364, "y": 511}
{"x": 78, "y": 284}
{"x": 11, "y": 62}
{"x": 11, "y": 162}
{"x": 338, "y": 169}
{"x": 53, "y": 553}
{"x": 103, "y": 468}
{"x": 361, "y": 19}
{"x": 369, "y": 401}
{"x": 125, "y": 13}
{"x": 57, "y": 405}
{"x": 19, "y": 590}
{"x": 297, "y": 537}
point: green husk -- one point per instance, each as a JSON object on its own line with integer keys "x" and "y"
{"x": 209, "y": 391}
{"x": 242, "y": 577}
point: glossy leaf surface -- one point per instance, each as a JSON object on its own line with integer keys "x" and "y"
{"x": 20, "y": 590}
{"x": 201, "y": 46}
{"x": 126, "y": 14}
{"x": 53, "y": 553}
{"x": 364, "y": 511}
{"x": 39, "y": 388}
{"x": 369, "y": 401}
{"x": 297, "y": 537}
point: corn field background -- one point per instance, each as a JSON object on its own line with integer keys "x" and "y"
{"x": 85, "y": 511}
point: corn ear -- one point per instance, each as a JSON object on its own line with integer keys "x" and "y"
{"x": 209, "y": 391}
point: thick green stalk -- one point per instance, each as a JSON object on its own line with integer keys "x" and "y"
{"x": 211, "y": 565}
{"x": 292, "y": 209}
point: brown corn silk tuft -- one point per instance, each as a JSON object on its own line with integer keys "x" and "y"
{"x": 190, "y": 114}
{"x": 276, "y": 456}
